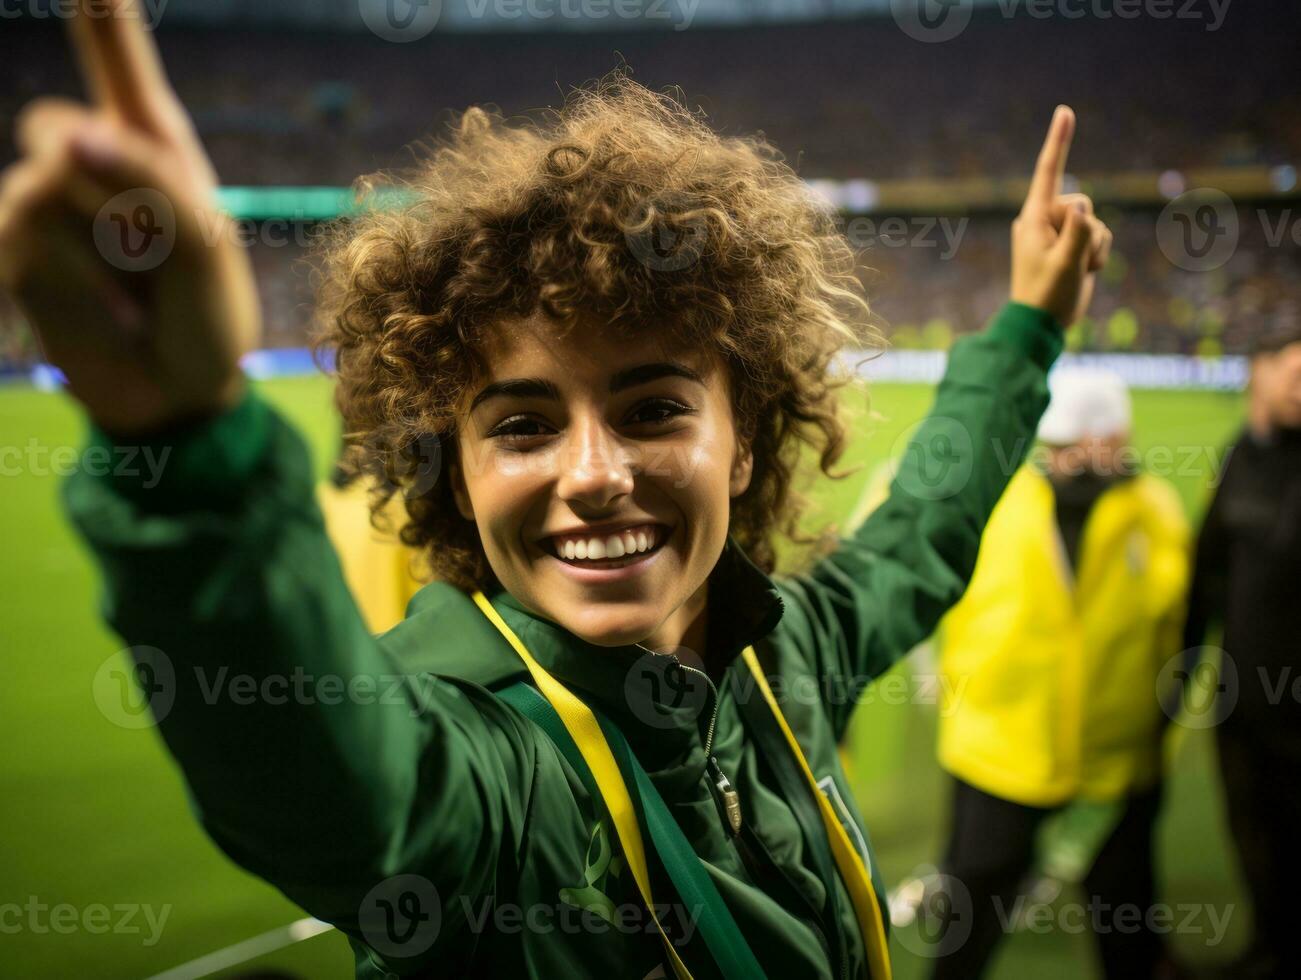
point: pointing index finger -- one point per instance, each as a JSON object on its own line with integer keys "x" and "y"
{"x": 120, "y": 61}
{"x": 1046, "y": 183}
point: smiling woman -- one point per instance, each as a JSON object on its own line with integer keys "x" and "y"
{"x": 620, "y": 327}
{"x": 619, "y": 219}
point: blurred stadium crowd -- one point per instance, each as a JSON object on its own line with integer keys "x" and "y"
{"x": 846, "y": 100}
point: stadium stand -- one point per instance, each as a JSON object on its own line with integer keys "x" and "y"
{"x": 846, "y": 99}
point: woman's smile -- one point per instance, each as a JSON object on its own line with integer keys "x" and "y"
{"x": 600, "y": 557}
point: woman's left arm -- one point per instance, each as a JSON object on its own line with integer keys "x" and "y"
{"x": 886, "y": 586}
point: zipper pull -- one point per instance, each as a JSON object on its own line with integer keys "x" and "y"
{"x": 726, "y": 795}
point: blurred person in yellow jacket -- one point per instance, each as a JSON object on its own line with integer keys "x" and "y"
{"x": 381, "y": 572}
{"x": 1050, "y": 666}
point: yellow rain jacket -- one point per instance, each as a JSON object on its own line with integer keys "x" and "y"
{"x": 1049, "y": 683}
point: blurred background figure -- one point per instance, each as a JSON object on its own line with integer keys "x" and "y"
{"x": 382, "y": 573}
{"x": 1246, "y": 580}
{"x": 1050, "y": 662}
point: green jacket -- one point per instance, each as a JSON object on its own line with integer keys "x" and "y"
{"x": 379, "y": 784}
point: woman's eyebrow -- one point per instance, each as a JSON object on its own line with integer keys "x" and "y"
{"x": 627, "y": 378}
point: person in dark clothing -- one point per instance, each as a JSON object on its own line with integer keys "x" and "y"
{"x": 1246, "y": 577}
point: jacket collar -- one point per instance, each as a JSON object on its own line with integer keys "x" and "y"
{"x": 626, "y": 683}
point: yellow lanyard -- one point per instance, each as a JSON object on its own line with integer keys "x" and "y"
{"x": 587, "y": 735}
{"x": 852, "y": 870}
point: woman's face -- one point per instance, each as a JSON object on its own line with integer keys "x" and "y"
{"x": 589, "y": 438}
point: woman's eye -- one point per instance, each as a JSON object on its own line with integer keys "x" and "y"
{"x": 516, "y": 428}
{"x": 659, "y": 410}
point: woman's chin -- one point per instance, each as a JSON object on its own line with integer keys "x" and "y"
{"x": 608, "y": 627}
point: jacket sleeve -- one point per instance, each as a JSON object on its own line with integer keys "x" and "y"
{"x": 309, "y": 759}
{"x": 886, "y": 585}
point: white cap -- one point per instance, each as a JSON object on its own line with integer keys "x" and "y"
{"x": 1085, "y": 402}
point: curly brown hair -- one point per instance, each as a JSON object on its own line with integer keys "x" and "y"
{"x": 622, "y": 210}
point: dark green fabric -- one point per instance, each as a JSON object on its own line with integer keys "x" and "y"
{"x": 199, "y": 464}
{"x": 418, "y": 769}
{"x": 762, "y": 726}
{"x": 661, "y": 836}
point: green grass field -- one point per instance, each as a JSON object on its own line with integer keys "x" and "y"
{"x": 95, "y": 815}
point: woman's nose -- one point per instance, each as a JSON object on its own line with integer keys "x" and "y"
{"x": 595, "y": 467}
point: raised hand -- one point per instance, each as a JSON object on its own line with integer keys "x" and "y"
{"x": 112, "y": 244}
{"x": 1057, "y": 244}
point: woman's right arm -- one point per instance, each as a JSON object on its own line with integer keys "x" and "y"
{"x": 304, "y": 762}
{"x": 310, "y": 758}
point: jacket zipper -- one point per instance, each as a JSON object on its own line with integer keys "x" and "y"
{"x": 725, "y": 795}
{"x": 743, "y": 836}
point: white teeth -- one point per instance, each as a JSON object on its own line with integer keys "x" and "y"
{"x": 618, "y": 545}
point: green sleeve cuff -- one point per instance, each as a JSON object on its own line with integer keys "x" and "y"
{"x": 1029, "y": 330}
{"x": 194, "y": 464}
